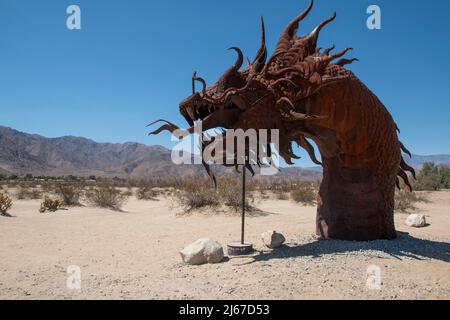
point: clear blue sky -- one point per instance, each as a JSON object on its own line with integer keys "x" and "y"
{"x": 132, "y": 61}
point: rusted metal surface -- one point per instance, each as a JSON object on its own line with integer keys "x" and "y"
{"x": 309, "y": 96}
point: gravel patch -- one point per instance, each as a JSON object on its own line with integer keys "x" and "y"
{"x": 405, "y": 247}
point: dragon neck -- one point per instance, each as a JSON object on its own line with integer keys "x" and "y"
{"x": 358, "y": 142}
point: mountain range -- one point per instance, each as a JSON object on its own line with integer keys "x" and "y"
{"x": 23, "y": 153}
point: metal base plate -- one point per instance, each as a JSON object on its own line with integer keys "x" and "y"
{"x": 239, "y": 249}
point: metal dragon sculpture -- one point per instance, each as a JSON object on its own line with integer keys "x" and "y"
{"x": 308, "y": 94}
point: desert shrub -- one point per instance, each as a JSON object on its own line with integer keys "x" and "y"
{"x": 432, "y": 177}
{"x": 199, "y": 193}
{"x": 230, "y": 194}
{"x": 106, "y": 197}
{"x": 48, "y": 187}
{"x": 50, "y": 205}
{"x": 279, "y": 186}
{"x": 127, "y": 193}
{"x": 4, "y": 189}
{"x": 197, "y": 198}
{"x": 281, "y": 195}
{"x": 146, "y": 193}
{"x": 405, "y": 200}
{"x": 29, "y": 193}
{"x": 317, "y": 184}
{"x": 445, "y": 177}
{"x": 283, "y": 185}
{"x": 263, "y": 194}
{"x": 304, "y": 194}
{"x": 70, "y": 194}
{"x": 194, "y": 194}
{"x": 5, "y": 204}
{"x": 428, "y": 178}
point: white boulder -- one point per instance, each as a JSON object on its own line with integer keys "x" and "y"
{"x": 273, "y": 239}
{"x": 202, "y": 251}
{"x": 416, "y": 221}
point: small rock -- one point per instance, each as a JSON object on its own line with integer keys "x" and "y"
{"x": 273, "y": 239}
{"x": 202, "y": 251}
{"x": 416, "y": 220}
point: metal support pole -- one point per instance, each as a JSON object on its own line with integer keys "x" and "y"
{"x": 241, "y": 248}
{"x": 243, "y": 206}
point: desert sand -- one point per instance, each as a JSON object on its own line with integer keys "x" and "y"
{"x": 134, "y": 254}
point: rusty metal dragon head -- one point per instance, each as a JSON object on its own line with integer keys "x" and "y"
{"x": 295, "y": 91}
{"x": 235, "y": 93}
{"x": 295, "y": 66}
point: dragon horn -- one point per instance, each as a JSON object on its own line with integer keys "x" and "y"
{"x": 240, "y": 59}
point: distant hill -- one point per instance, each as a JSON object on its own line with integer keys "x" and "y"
{"x": 22, "y": 153}
{"x": 418, "y": 161}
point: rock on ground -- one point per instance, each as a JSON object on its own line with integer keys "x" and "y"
{"x": 416, "y": 220}
{"x": 202, "y": 251}
{"x": 273, "y": 239}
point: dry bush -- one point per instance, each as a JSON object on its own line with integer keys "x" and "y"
{"x": 106, "y": 197}
{"x": 4, "y": 189}
{"x": 195, "y": 194}
{"x": 263, "y": 194}
{"x": 281, "y": 185}
{"x": 28, "y": 193}
{"x": 127, "y": 193}
{"x": 50, "y": 205}
{"x": 197, "y": 198}
{"x": 70, "y": 194}
{"x": 129, "y": 190}
{"x": 146, "y": 193}
{"x": 167, "y": 192}
{"x": 281, "y": 195}
{"x": 5, "y": 204}
{"x": 230, "y": 194}
{"x": 48, "y": 187}
{"x": 199, "y": 193}
{"x": 405, "y": 200}
{"x": 432, "y": 177}
{"x": 305, "y": 194}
